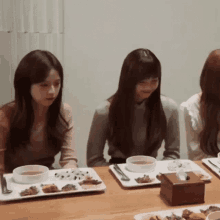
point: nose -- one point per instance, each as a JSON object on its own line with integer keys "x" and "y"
{"x": 51, "y": 90}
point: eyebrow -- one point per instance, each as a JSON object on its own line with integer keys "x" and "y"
{"x": 57, "y": 80}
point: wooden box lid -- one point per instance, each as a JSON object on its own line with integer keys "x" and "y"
{"x": 172, "y": 178}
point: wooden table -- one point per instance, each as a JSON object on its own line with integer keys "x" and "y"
{"x": 115, "y": 203}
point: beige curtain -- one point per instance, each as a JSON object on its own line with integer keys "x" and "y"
{"x": 26, "y": 25}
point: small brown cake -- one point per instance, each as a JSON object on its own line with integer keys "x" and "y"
{"x": 144, "y": 179}
{"x": 50, "y": 188}
{"x": 186, "y": 213}
{"x": 156, "y": 217}
{"x": 90, "y": 182}
{"x": 68, "y": 187}
{"x": 30, "y": 191}
{"x": 197, "y": 216}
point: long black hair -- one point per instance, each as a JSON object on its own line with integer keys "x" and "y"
{"x": 140, "y": 64}
{"x": 34, "y": 68}
{"x": 210, "y": 103}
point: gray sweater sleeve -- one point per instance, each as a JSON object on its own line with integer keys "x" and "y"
{"x": 172, "y": 140}
{"x": 98, "y": 136}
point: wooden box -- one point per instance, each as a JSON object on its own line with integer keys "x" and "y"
{"x": 179, "y": 192}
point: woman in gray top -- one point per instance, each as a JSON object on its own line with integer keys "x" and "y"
{"x": 136, "y": 119}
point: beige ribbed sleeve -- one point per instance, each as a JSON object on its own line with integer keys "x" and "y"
{"x": 68, "y": 158}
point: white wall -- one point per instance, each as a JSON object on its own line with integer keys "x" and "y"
{"x": 99, "y": 34}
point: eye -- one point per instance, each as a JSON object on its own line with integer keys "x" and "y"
{"x": 44, "y": 85}
{"x": 57, "y": 84}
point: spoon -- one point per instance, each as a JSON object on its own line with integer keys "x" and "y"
{"x": 5, "y": 190}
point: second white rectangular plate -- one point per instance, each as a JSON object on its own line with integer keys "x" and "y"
{"x": 161, "y": 167}
{"x": 213, "y": 168}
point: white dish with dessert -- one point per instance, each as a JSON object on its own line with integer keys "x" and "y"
{"x": 165, "y": 166}
{"x": 199, "y": 212}
{"x": 62, "y": 181}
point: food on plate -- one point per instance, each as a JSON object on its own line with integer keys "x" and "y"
{"x": 50, "y": 188}
{"x": 197, "y": 216}
{"x": 186, "y": 213}
{"x": 144, "y": 179}
{"x": 174, "y": 217}
{"x": 210, "y": 209}
{"x": 30, "y": 191}
{"x": 68, "y": 187}
{"x": 176, "y": 164}
{"x": 72, "y": 175}
{"x": 156, "y": 217}
{"x": 90, "y": 181}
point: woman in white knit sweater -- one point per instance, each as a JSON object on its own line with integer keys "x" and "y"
{"x": 202, "y": 112}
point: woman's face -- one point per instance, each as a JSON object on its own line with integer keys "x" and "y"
{"x": 145, "y": 88}
{"x": 45, "y": 93}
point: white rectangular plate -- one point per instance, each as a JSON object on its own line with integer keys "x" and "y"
{"x": 213, "y": 160}
{"x": 163, "y": 214}
{"x": 17, "y": 188}
{"x": 161, "y": 167}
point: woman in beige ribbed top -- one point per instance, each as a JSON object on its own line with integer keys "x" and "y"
{"x": 36, "y": 125}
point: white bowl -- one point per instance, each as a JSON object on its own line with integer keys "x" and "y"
{"x": 213, "y": 216}
{"x": 141, "y": 164}
{"x": 30, "y": 174}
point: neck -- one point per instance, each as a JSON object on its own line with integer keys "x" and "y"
{"x": 40, "y": 111}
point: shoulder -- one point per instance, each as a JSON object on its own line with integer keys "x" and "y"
{"x": 168, "y": 103}
{"x": 192, "y": 108}
{"x": 103, "y": 108}
{"x": 192, "y": 102}
{"x": 66, "y": 111}
{"x": 6, "y": 113}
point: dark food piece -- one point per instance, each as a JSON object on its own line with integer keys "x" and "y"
{"x": 90, "y": 182}
{"x": 30, "y": 191}
{"x": 144, "y": 179}
{"x": 156, "y": 217}
{"x": 69, "y": 187}
{"x": 186, "y": 213}
{"x": 50, "y": 188}
{"x": 174, "y": 217}
{"x": 210, "y": 209}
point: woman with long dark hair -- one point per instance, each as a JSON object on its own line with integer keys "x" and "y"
{"x": 137, "y": 118}
{"x": 37, "y": 125}
{"x": 202, "y": 112}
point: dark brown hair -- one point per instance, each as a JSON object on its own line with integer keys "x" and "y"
{"x": 34, "y": 68}
{"x": 210, "y": 103}
{"x": 140, "y": 64}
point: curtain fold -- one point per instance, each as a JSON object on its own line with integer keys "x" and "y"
{"x": 31, "y": 25}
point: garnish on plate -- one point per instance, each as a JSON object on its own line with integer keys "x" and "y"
{"x": 176, "y": 164}
{"x": 30, "y": 191}
{"x": 73, "y": 174}
{"x": 144, "y": 179}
